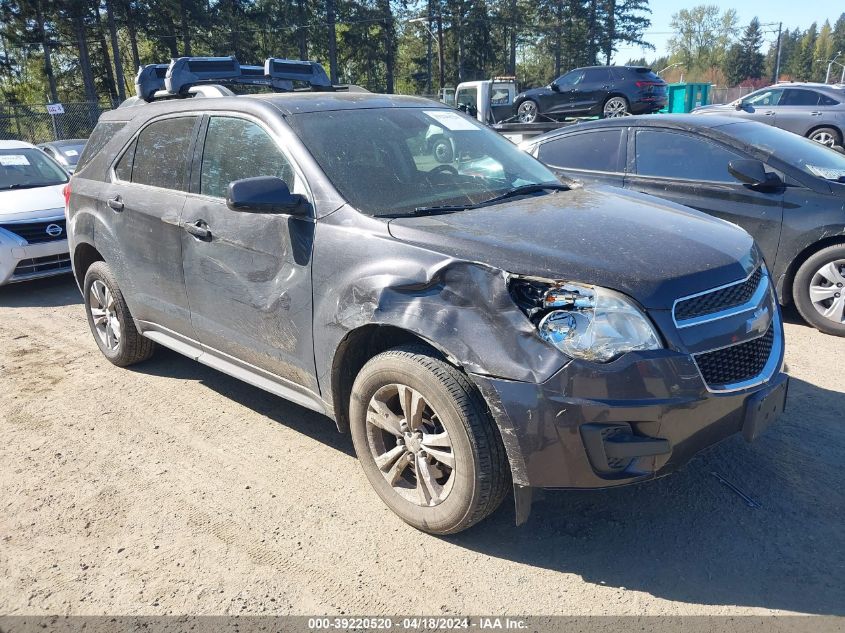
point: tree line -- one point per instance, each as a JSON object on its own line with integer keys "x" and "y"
{"x": 710, "y": 45}
{"x": 63, "y": 50}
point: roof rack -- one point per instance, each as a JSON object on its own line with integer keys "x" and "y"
{"x": 186, "y": 76}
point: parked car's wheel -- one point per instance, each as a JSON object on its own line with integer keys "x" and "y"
{"x": 614, "y": 107}
{"x": 819, "y": 290}
{"x": 426, "y": 441}
{"x": 442, "y": 150}
{"x": 110, "y": 320}
{"x": 826, "y": 136}
{"x": 528, "y": 111}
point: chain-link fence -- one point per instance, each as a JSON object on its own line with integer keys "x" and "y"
{"x": 720, "y": 94}
{"x": 34, "y": 124}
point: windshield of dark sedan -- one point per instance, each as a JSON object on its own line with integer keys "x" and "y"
{"x": 390, "y": 161}
{"x": 27, "y": 168}
{"x": 809, "y": 156}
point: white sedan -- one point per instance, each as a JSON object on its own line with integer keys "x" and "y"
{"x": 33, "y": 238}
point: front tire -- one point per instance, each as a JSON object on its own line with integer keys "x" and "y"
{"x": 826, "y": 136}
{"x": 615, "y": 107}
{"x": 819, "y": 290}
{"x": 426, "y": 441}
{"x": 528, "y": 111}
{"x": 110, "y": 320}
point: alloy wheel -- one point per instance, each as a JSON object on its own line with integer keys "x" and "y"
{"x": 410, "y": 445}
{"x": 827, "y": 291}
{"x": 527, "y": 112}
{"x": 615, "y": 107}
{"x": 104, "y": 315}
{"x": 825, "y": 138}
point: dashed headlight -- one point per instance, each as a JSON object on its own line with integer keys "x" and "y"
{"x": 582, "y": 321}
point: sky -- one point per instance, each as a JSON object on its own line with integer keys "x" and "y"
{"x": 791, "y": 12}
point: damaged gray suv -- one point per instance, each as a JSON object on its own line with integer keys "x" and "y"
{"x": 474, "y": 324}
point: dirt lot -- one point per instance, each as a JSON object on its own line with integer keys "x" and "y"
{"x": 171, "y": 488}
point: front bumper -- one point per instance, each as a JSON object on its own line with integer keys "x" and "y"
{"x": 550, "y": 429}
{"x": 20, "y": 261}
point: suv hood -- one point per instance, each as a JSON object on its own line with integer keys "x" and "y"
{"x": 650, "y": 249}
{"x": 31, "y": 204}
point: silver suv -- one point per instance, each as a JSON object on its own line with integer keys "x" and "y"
{"x": 816, "y": 111}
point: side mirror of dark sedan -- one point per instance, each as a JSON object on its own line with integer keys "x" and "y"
{"x": 554, "y": 87}
{"x": 265, "y": 194}
{"x": 754, "y": 174}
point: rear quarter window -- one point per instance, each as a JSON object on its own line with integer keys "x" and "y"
{"x": 102, "y": 134}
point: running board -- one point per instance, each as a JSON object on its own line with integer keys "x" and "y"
{"x": 247, "y": 373}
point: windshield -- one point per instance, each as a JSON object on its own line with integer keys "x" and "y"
{"x": 26, "y": 168}
{"x": 809, "y": 156}
{"x": 391, "y": 161}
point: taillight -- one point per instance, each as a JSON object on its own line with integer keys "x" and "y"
{"x": 66, "y": 192}
{"x": 646, "y": 84}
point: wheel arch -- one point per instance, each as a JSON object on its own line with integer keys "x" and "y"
{"x": 84, "y": 255}
{"x": 784, "y": 286}
{"x": 827, "y": 125}
{"x": 363, "y": 343}
{"x": 358, "y": 347}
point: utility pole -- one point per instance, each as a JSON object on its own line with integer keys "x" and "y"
{"x": 777, "y": 58}
{"x": 429, "y": 47}
{"x": 330, "y": 15}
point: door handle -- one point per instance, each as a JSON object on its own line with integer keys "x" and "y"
{"x": 198, "y": 229}
{"x": 115, "y": 204}
{"x": 769, "y": 113}
{"x": 816, "y": 113}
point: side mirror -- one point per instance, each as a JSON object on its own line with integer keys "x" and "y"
{"x": 739, "y": 105}
{"x": 753, "y": 173}
{"x": 265, "y": 194}
{"x": 554, "y": 87}
{"x": 838, "y": 148}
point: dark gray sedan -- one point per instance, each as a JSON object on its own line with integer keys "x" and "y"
{"x": 66, "y": 152}
{"x": 786, "y": 191}
{"x": 816, "y": 111}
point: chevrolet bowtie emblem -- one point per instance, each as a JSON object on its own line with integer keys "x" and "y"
{"x": 759, "y": 322}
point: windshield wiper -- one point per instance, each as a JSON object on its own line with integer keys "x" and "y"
{"x": 510, "y": 193}
{"x": 21, "y": 185}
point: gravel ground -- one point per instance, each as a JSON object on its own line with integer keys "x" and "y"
{"x": 170, "y": 488}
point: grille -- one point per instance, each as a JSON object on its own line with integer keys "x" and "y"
{"x": 718, "y": 300}
{"x": 42, "y": 264}
{"x": 736, "y": 363}
{"x": 36, "y": 232}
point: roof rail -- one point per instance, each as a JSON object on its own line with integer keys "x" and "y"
{"x": 182, "y": 75}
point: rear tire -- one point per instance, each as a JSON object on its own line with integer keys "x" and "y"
{"x": 528, "y": 111}
{"x": 110, "y": 320}
{"x": 826, "y": 136}
{"x": 442, "y": 466}
{"x": 615, "y": 107}
{"x": 819, "y": 290}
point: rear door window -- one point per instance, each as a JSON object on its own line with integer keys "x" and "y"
{"x": 799, "y": 97}
{"x": 602, "y": 150}
{"x": 597, "y": 75}
{"x": 666, "y": 154}
{"x": 161, "y": 155}
{"x": 235, "y": 149}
